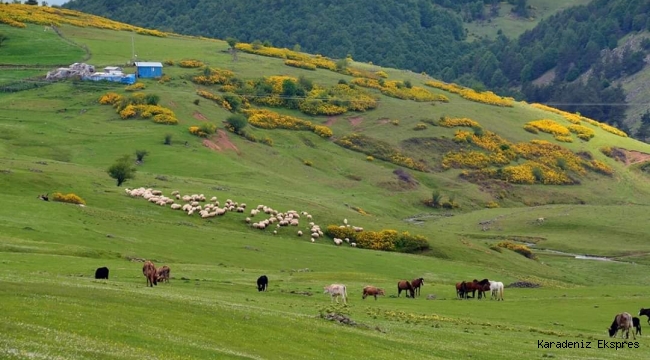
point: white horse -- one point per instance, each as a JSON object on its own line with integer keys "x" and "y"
{"x": 496, "y": 287}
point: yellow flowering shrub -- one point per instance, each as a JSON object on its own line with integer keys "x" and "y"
{"x": 267, "y": 119}
{"x": 576, "y": 118}
{"x": 191, "y": 63}
{"x": 169, "y": 62}
{"x": 607, "y": 150}
{"x": 582, "y": 132}
{"x": 465, "y": 159}
{"x": 452, "y": 122}
{"x": 110, "y": 98}
{"x": 395, "y": 122}
{"x": 560, "y": 132}
{"x": 486, "y": 97}
{"x": 492, "y": 205}
{"x": 165, "y": 119}
{"x": 518, "y": 248}
{"x": 134, "y": 87}
{"x": 214, "y": 76}
{"x": 420, "y": 126}
{"x": 317, "y": 60}
{"x": 300, "y": 64}
{"x": 381, "y": 74}
{"x": 216, "y": 98}
{"x": 600, "y": 167}
{"x": 163, "y": 79}
{"x": 17, "y": 15}
{"x": 398, "y": 89}
{"x": 68, "y": 198}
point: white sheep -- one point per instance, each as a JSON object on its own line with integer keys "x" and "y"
{"x": 338, "y": 241}
{"x": 312, "y": 240}
{"x": 213, "y": 199}
{"x": 175, "y": 192}
{"x": 345, "y": 221}
{"x": 248, "y": 220}
{"x": 353, "y": 244}
{"x": 299, "y": 233}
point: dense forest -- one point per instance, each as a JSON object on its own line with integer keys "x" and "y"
{"x": 429, "y": 36}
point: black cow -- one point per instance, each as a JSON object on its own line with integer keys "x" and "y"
{"x": 262, "y": 283}
{"x": 101, "y": 273}
{"x": 637, "y": 324}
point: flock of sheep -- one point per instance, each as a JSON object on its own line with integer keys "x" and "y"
{"x": 198, "y": 203}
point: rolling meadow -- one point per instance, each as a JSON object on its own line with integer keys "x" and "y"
{"x": 57, "y": 137}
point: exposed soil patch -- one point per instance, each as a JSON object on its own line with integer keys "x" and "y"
{"x": 356, "y": 121}
{"x": 198, "y": 116}
{"x": 629, "y": 157}
{"x": 383, "y": 120}
{"x": 220, "y": 142}
{"x": 331, "y": 121}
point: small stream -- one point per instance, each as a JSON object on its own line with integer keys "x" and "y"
{"x": 575, "y": 256}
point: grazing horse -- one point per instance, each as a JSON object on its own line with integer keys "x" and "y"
{"x": 372, "y": 291}
{"x": 162, "y": 273}
{"x": 406, "y": 286}
{"x": 474, "y": 286}
{"x": 460, "y": 290}
{"x": 417, "y": 283}
{"x": 262, "y": 283}
{"x": 621, "y": 321}
{"x": 645, "y": 312}
{"x": 496, "y": 287}
{"x": 336, "y": 290}
{"x": 637, "y": 325}
{"x": 149, "y": 272}
{"x": 101, "y": 273}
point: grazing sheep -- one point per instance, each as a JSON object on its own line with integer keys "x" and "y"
{"x": 347, "y": 240}
{"x": 353, "y": 244}
{"x": 312, "y": 240}
{"x": 248, "y": 220}
{"x": 275, "y": 232}
{"x": 156, "y": 192}
{"x": 194, "y": 203}
{"x": 178, "y": 197}
{"x": 540, "y": 220}
{"x": 176, "y": 206}
{"x": 338, "y": 241}
{"x": 213, "y": 199}
{"x": 299, "y": 233}
{"x": 175, "y": 192}
{"x": 308, "y": 217}
{"x": 345, "y": 221}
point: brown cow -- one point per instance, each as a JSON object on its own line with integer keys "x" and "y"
{"x": 372, "y": 291}
{"x": 149, "y": 272}
{"x": 162, "y": 273}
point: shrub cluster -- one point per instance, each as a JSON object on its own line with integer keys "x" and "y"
{"x": 267, "y": 119}
{"x": 300, "y": 64}
{"x": 68, "y": 198}
{"x": 453, "y": 122}
{"x": 518, "y": 248}
{"x": 384, "y": 240}
{"x": 140, "y": 105}
{"x": 398, "y": 89}
{"x": 191, "y": 63}
{"x": 135, "y": 87}
{"x": 203, "y": 130}
{"x": 486, "y": 97}
{"x": 577, "y": 118}
{"x": 560, "y": 132}
{"x": 378, "y": 149}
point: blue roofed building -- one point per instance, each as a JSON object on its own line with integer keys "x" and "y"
{"x": 148, "y": 69}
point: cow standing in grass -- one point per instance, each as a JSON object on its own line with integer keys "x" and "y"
{"x": 162, "y": 273}
{"x": 101, "y": 273}
{"x": 336, "y": 290}
{"x": 149, "y": 272}
{"x": 262, "y": 283}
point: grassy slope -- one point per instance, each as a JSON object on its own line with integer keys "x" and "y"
{"x": 512, "y": 26}
{"x": 50, "y": 250}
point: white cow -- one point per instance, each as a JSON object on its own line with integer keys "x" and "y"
{"x": 336, "y": 290}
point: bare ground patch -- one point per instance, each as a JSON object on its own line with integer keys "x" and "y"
{"x": 331, "y": 120}
{"x": 630, "y": 157}
{"x": 356, "y": 121}
{"x": 383, "y": 121}
{"x": 198, "y": 116}
{"x": 220, "y": 142}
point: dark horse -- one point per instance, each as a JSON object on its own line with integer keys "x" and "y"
{"x": 406, "y": 286}
{"x": 417, "y": 284}
{"x": 262, "y": 283}
{"x": 475, "y": 285}
{"x": 460, "y": 290}
{"x": 622, "y": 321}
{"x": 645, "y": 312}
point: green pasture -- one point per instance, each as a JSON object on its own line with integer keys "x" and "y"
{"x": 58, "y": 138}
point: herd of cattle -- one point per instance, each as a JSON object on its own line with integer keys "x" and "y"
{"x": 623, "y": 321}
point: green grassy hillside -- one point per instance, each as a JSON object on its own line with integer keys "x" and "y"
{"x": 58, "y": 138}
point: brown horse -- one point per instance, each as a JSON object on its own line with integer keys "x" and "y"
{"x": 149, "y": 272}
{"x": 162, "y": 273}
{"x": 406, "y": 286}
{"x": 460, "y": 290}
{"x": 474, "y": 286}
{"x": 417, "y": 283}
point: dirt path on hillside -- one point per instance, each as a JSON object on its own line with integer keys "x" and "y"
{"x": 220, "y": 142}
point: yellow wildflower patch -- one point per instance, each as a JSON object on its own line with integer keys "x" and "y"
{"x": 486, "y": 97}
